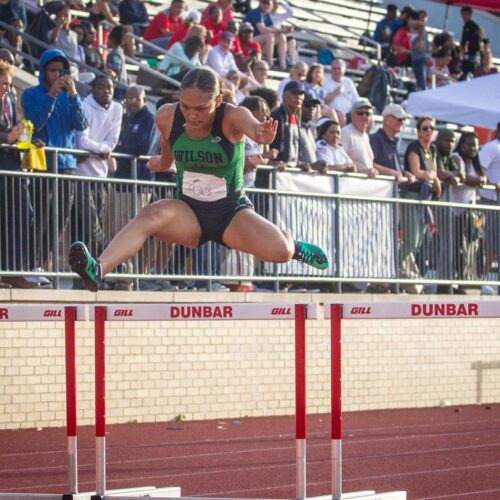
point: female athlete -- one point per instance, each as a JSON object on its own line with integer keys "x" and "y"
{"x": 205, "y": 139}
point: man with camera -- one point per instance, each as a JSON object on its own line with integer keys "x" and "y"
{"x": 55, "y": 109}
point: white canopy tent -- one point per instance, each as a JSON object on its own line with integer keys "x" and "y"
{"x": 474, "y": 102}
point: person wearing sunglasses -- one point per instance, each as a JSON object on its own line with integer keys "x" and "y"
{"x": 355, "y": 138}
{"x": 383, "y": 143}
{"x": 420, "y": 160}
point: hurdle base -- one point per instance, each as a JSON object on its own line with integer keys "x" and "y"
{"x": 366, "y": 495}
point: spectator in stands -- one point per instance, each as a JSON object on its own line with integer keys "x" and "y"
{"x": 15, "y": 40}
{"x": 192, "y": 18}
{"x": 384, "y": 147}
{"x": 77, "y": 27}
{"x": 471, "y": 42}
{"x": 99, "y": 139}
{"x": 340, "y": 91}
{"x": 420, "y": 160}
{"x": 226, "y": 8}
{"x": 280, "y": 12}
{"x": 260, "y": 71}
{"x": 447, "y": 169}
{"x": 164, "y": 25}
{"x": 115, "y": 61}
{"x": 55, "y": 109}
{"x": 468, "y": 224}
{"x": 267, "y": 34}
{"x": 314, "y": 86}
{"x": 310, "y": 113}
{"x": 214, "y": 25}
{"x": 489, "y": 157}
{"x": 486, "y": 67}
{"x": 383, "y": 32}
{"x": 133, "y": 13}
{"x": 194, "y": 30}
{"x": 269, "y": 95}
{"x": 16, "y": 216}
{"x": 250, "y": 50}
{"x": 401, "y": 46}
{"x": 101, "y": 11}
{"x": 448, "y": 173}
{"x": 355, "y": 139}
{"x": 62, "y": 37}
{"x": 403, "y": 17}
{"x": 298, "y": 73}
{"x": 287, "y": 115}
{"x": 438, "y": 72}
{"x": 187, "y": 51}
{"x": 420, "y": 49}
{"x": 13, "y": 9}
{"x": 220, "y": 58}
{"x": 93, "y": 55}
{"x": 329, "y": 150}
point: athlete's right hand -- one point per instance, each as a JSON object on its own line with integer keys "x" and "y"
{"x": 154, "y": 164}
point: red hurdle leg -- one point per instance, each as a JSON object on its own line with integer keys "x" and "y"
{"x": 336, "y": 396}
{"x": 71, "y": 426}
{"x": 300, "y": 400}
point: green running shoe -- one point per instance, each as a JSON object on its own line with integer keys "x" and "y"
{"x": 310, "y": 254}
{"x": 82, "y": 263}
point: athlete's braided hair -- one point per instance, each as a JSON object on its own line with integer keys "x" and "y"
{"x": 204, "y": 79}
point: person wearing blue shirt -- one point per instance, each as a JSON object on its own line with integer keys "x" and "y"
{"x": 382, "y": 33}
{"x": 55, "y": 109}
{"x": 267, "y": 34}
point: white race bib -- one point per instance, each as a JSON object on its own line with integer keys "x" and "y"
{"x": 203, "y": 187}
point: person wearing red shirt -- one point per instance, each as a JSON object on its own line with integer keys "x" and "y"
{"x": 214, "y": 25}
{"x": 226, "y": 8}
{"x": 250, "y": 50}
{"x": 164, "y": 24}
{"x": 401, "y": 45}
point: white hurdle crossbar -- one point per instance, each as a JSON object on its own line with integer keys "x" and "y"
{"x": 336, "y": 312}
{"x": 209, "y": 312}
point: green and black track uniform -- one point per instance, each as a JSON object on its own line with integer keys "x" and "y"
{"x": 209, "y": 175}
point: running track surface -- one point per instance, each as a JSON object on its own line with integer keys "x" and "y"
{"x": 434, "y": 453}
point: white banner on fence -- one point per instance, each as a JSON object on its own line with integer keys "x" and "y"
{"x": 366, "y": 228}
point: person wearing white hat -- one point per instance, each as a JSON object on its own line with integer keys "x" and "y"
{"x": 384, "y": 147}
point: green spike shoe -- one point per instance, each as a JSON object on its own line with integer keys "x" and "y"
{"x": 83, "y": 264}
{"x": 310, "y": 254}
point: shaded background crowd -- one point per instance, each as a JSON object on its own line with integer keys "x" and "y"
{"x": 337, "y": 110}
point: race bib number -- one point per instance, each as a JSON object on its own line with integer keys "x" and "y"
{"x": 203, "y": 187}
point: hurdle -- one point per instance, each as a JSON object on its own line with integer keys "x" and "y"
{"x": 337, "y": 312}
{"x": 68, "y": 315}
{"x": 209, "y": 311}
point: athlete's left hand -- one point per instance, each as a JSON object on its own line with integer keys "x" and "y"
{"x": 266, "y": 131}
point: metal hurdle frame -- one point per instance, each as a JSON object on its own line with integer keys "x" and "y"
{"x": 58, "y": 313}
{"x": 337, "y": 312}
{"x": 209, "y": 312}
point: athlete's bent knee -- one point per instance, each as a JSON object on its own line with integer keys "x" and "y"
{"x": 282, "y": 254}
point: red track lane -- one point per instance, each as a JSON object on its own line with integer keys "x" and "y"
{"x": 431, "y": 453}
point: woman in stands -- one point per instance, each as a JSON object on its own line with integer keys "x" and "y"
{"x": 329, "y": 149}
{"x": 205, "y": 138}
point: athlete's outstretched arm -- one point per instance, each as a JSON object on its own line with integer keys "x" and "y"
{"x": 243, "y": 123}
{"x": 164, "y": 161}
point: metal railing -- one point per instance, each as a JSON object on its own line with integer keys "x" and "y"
{"x": 397, "y": 241}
